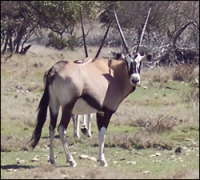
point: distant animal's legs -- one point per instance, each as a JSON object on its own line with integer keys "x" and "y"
{"x": 83, "y": 119}
{"x": 86, "y": 125}
{"x": 103, "y": 119}
{"x": 76, "y": 123}
{"x": 88, "y": 120}
{"x": 66, "y": 116}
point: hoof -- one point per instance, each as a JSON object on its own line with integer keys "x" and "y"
{"x": 103, "y": 163}
{"x": 72, "y": 163}
{"x": 52, "y": 162}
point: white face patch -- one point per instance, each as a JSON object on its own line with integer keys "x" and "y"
{"x": 135, "y": 79}
{"x": 135, "y": 76}
{"x": 138, "y": 58}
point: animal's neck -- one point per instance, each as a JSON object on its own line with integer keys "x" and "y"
{"x": 120, "y": 72}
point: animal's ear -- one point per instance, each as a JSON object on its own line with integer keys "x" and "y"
{"x": 122, "y": 56}
{"x": 139, "y": 57}
{"x": 149, "y": 57}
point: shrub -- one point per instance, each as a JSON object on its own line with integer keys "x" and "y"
{"x": 71, "y": 42}
{"x": 56, "y": 42}
{"x": 160, "y": 124}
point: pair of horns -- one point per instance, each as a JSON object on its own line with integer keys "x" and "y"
{"x": 121, "y": 34}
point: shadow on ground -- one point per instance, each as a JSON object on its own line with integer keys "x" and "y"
{"x": 15, "y": 166}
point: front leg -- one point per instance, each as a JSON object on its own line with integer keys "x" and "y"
{"x": 101, "y": 156}
{"x": 103, "y": 119}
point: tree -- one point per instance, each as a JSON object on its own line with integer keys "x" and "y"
{"x": 20, "y": 19}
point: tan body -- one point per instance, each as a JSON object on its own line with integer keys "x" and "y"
{"x": 105, "y": 83}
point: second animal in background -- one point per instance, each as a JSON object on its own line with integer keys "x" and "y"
{"x": 85, "y": 126}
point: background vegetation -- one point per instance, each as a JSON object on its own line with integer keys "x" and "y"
{"x": 23, "y": 20}
{"x": 151, "y": 123}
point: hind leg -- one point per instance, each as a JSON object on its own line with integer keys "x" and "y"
{"x": 66, "y": 116}
{"x": 53, "y": 108}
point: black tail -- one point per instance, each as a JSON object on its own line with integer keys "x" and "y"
{"x": 41, "y": 117}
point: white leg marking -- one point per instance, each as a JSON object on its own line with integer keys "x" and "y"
{"x": 69, "y": 157}
{"x": 101, "y": 158}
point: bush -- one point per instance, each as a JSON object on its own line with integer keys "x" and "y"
{"x": 160, "y": 124}
{"x": 72, "y": 42}
{"x": 56, "y": 42}
{"x": 60, "y": 43}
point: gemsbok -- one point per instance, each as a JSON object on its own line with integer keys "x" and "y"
{"x": 97, "y": 87}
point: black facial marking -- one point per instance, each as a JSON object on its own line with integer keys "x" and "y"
{"x": 129, "y": 66}
{"x": 134, "y": 67}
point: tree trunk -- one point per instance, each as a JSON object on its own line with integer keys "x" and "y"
{"x": 10, "y": 44}
{"x": 7, "y": 42}
{"x": 5, "y": 45}
{"x": 24, "y": 50}
{"x": 18, "y": 40}
{"x": 179, "y": 32}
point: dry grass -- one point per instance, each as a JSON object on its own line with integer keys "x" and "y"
{"x": 139, "y": 140}
{"x": 186, "y": 73}
{"x": 159, "y": 124}
{"x": 161, "y": 75}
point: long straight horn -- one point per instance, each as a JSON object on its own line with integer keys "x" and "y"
{"x": 142, "y": 34}
{"x": 121, "y": 33}
{"x": 85, "y": 47}
{"x": 103, "y": 40}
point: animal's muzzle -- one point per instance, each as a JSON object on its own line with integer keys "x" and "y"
{"x": 135, "y": 79}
